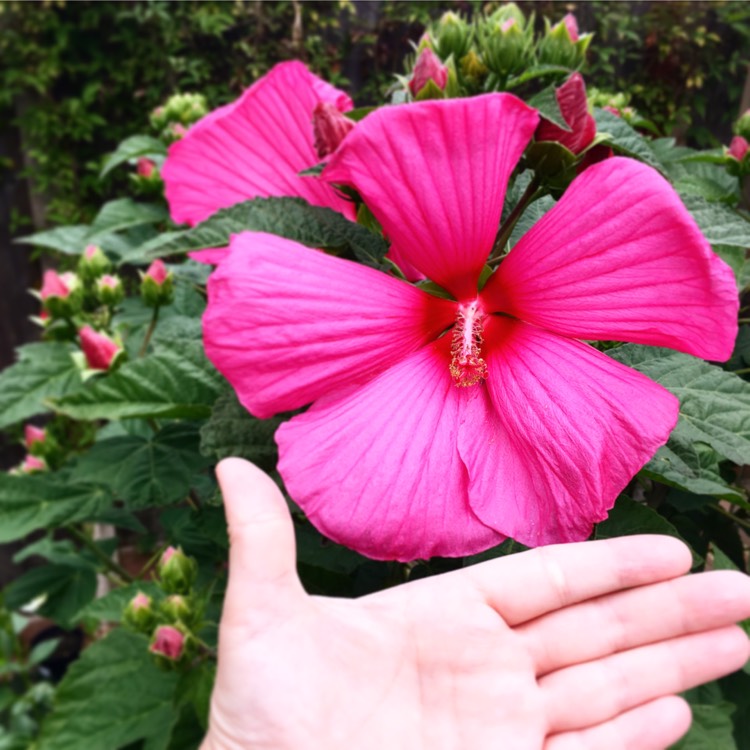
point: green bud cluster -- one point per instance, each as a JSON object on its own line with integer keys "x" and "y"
{"x": 177, "y": 113}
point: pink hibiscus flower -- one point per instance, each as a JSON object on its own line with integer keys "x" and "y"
{"x": 254, "y": 147}
{"x": 441, "y": 426}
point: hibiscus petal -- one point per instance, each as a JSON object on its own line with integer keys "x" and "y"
{"x": 286, "y": 324}
{"x": 619, "y": 257}
{"x": 253, "y": 147}
{"x": 569, "y": 429}
{"x": 379, "y": 471}
{"x": 434, "y": 174}
{"x": 211, "y": 256}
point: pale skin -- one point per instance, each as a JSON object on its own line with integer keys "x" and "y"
{"x": 571, "y": 647}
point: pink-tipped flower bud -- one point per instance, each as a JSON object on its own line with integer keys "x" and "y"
{"x": 53, "y": 286}
{"x": 738, "y": 148}
{"x": 168, "y": 642}
{"x": 98, "y": 348}
{"x": 33, "y": 436}
{"x": 139, "y": 613}
{"x": 178, "y": 130}
{"x": 571, "y": 98}
{"x": 330, "y": 127}
{"x": 428, "y": 68}
{"x": 93, "y": 263}
{"x": 32, "y": 465}
{"x": 571, "y": 24}
{"x": 109, "y": 290}
{"x": 177, "y": 571}
{"x": 176, "y": 608}
{"x": 157, "y": 285}
{"x": 60, "y": 294}
{"x": 145, "y": 167}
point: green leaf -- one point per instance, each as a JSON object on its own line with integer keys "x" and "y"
{"x": 720, "y": 224}
{"x": 711, "y": 729}
{"x": 530, "y": 217}
{"x": 547, "y": 105}
{"x": 714, "y": 404}
{"x": 538, "y": 71}
{"x": 109, "y": 608}
{"x": 292, "y": 218}
{"x": 43, "y": 371}
{"x": 624, "y": 139}
{"x": 70, "y": 240}
{"x": 66, "y": 589}
{"x": 124, "y": 213}
{"x": 195, "y": 688}
{"x": 111, "y": 697}
{"x": 176, "y": 382}
{"x": 233, "y": 431}
{"x": 132, "y": 148}
{"x": 145, "y": 471}
{"x": 42, "y": 651}
{"x": 28, "y": 503}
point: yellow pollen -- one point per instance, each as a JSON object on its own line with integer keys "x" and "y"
{"x": 467, "y": 366}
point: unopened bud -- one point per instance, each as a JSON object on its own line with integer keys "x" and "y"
{"x": 33, "y": 436}
{"x": 168, "y": 642}
{"x": 177, "y": 571}
{"x": 109, "y": 290}
{"x": 157, "y": 284}
{"x": 563, "y": 45}
{"x": 177, "y": 609}
{"x": 428, "y": 68}
{"x": 571, "y": 24}
{"x": 60, "y": 293}
{"x": 738, "y": 148}
{"x": 145, "y": 167}
{"x": 330, "y": 127}
{"x": 93, "y": 263}
{"x": 139, "y": 613}
{"x": 571, "y": 98}
{"x": 98, "y": 348}
{"x": 506, "y": 42}
{"x": 32, "y": 465}
{"x": 452, "y": 36}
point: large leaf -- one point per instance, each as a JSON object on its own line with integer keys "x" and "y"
{"x": 711, "y": 728}
{"x": 177, "y": 381}
{"x": 292, "y": 218}
{"x": 624, "y": 139}
{"x": 42, "y": 371}
{"x": 545, "y": 102}
{"x": 111, "y": 697}
{"x": 132, "y": 148}
{"x": 629, "y": 517}
{"x": 28, "y": 503}
{"x": 146, "y": 471}
{"x": 70, "y": 240}
{"x": 233, "y": 431}
{"x": 720, "y": 224}
{"x": 714, "y": 404}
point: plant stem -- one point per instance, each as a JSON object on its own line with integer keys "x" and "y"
{"x": 503, "y": 235}
{"x": 149, "y": 332}
{"x": 740, "y": 521}
{"x": 91, "y": 545}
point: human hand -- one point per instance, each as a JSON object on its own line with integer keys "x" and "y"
{"x": 568, "y": 647}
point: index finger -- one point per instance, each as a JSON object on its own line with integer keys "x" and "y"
{"x": 527, "y": 585}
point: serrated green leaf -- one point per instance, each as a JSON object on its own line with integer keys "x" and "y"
{"x": 624, "y": 139}
{"x": 132, "y": 148}
{"x": 28, "y": 503}
{"x": 549, "y": 108}
{"x": 714, "y": 404}
{"x": 292, "y": 218}
{"x": 176, "y": 382}
{"x": 712, "y": 728}
{"x": 530, "y": 217}
{"x": 43, "y": 371}
{"x": 110, "y": 607}
{"x": 70, "y": 240}
{"x": 720, "y": 224}
{"x": 124, "y": 213}
{"x": 90, "y": 713}
{"x": 233, "y": 431}
{"x": 145, "y": 471}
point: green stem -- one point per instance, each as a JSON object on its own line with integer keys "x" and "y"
{"x": 503, "y": 235}
{"x": 152, "y": 561}
{"x": 743, "y": 371}
{"x": 740, "y": 521}
{"x": 149, "y": 332}
{"x": 91, "y": 545}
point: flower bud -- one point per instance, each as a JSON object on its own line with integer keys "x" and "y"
{"x": 60, "y": 293}
{"x": 145, "y": 167}
{"x": 571, "y": 98}
{"x": 330, "y": 127}
{"x": 157, "y": 285}
{"x": 738, "y": 148}
{"x": 742, "y": 126}
{"x": 168, "y": 642}
{"x": 506, "y": 43}
{"x": 176, "y": 608}
{"x": 452, "y": 36}
{"x": 139, "y": 613}
{"x": 428, "y": 69}
{"x": 563, "y": 45}
{"x": 109, "y": 290}
{"x": 98, "y": 348}
{"x": 177, "y": 571}
{"x": 33, "y": 436}
{"x": 571, "y": 24}
{"x": 32, "y": 465}
{"x": 93, "y": 263}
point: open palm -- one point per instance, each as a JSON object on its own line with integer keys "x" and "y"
{"x": 573, "y": 646}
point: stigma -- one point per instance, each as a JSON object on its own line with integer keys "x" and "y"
{"x": 467, "y": 367}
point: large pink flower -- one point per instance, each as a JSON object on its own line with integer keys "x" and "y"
{"x": 441, "y": 426}
{"x": 254, "y": 147}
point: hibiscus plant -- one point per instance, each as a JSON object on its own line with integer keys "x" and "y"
{"x": 491, "y": 314}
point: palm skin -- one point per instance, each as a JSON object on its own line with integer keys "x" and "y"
{"x": 568, "y": 647}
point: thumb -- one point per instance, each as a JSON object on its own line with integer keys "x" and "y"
{"x": 262, "y": 557}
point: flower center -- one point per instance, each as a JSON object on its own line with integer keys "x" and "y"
{"x": 467, "y": 366}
